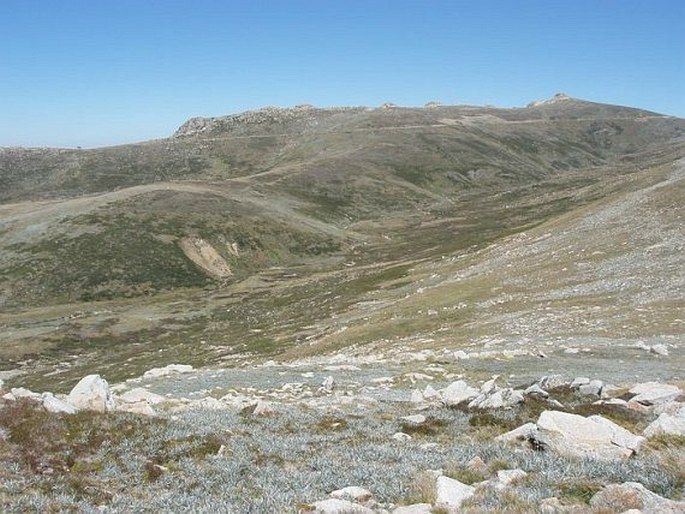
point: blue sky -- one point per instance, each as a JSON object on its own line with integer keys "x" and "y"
{"x": 95, "y": 72}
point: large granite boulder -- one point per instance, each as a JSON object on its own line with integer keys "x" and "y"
{"x": 92, "y": 393}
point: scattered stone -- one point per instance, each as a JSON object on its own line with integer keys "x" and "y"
{"x": 210, "y": 403}
{"x": 659, "y": 349}
{"x": 490, "y": 386}
{"x": 551, "y": 381}
{"x": 137, "y": 408}
{"x": 457, "y": 392}
{"x": 336, "y": 506}
{"x": 416, "y": 396}
{"x": 450, "y": 493}
{"x": 499, "y": 399}
{"x": 417, "y": 377}
{"x": 342, "y": 367}
{"x": 579, "y": 381}
{"x": 594, "y": 437}
{"x": 352, "y": 493}
{"x": 571, "y": 351}
{"x": 401, "y": 437}
{"x": 461, "y": 355}
{"x": 429, "y": 393}
{"x": 171, "y": 369}
{"x": 633, "y": 495}
{"x": 262, "y": 408}
{"x": 611, "y": 391}
{"x": 593, "y": 388}
{"x": 140, "y": 394}
{"x": 21, "y": 392}
{"x": 53, "y": 404}
{"x": 477, "y": 465}
{"x": 416, "y": 419}
{"x": 536, "y": 390}
{"x": 525, "y": 432}
{"x": 653, "y": 393}
{"x": 92, "y": 393}
{"x": 668, "y": 424}
{"x": 417, "y": 508}
{"x": 327, "y": 385}
{"x": 506, "y": 477}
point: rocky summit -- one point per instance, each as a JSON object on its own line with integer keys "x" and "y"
{"x": 450, "y": 308}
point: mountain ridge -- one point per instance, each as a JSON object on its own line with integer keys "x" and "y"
{"x": 298, "y": 233}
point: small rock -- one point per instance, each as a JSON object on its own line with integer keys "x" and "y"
{"x": 140, "y": 394}
{"x": 416, "y": 419}
{"x": 593, "y": 388}
{"x": 429, "y": 393}
{"x": 523, "y": 433}
{"x": 53, "y": 404}
{"x": 401, "y": 437}
{"x": 457, "y": 392}
{"x": 450, "y": 493}
{"x": 336, "y": 506}
{"x": 633, "y": 495}
{"x": 611, "y": 391}
{"x": 352, "y": 493}
{"x": 500, "y": 399}
{"x": 536, "y": 390}
{"x": 579, "y": 381}
{"x": 417, "y": 508}
{"x": 416, "y": 397}
{"x": 490, "y": 386}
{"x": 659, "y": 349}
{"x": 262, "y": 408}
{"x": 137, "y": 408}
{"x": 669, "y": 424}
{"x": 327, "y": 385}
{"x": 461, "y": 355}
{"x": 20, "y": 392}
{"x": 551, "y": 381}
{"x": 506, "y": 477}
{"x": 652, "y": 393}
{"x": 477, "y": 465}
{"x": 171, "y": 369}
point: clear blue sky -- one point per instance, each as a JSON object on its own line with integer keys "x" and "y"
{"x": 96, "y": 72}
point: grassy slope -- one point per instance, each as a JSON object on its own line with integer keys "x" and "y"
{"x": 350, "y": 232}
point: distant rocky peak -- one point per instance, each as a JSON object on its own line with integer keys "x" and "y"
{"x": 263, "y": 116}
{"x": 557, "y": 98}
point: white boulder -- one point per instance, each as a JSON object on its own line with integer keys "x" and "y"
{"x": 593, "y": 388}
{"x": 336, "y": 506}
{"x": 416, "y": 419}
{"x": 653, "y": 393}
{"x": 525, "y": 432}
{"x": 506, "y": 477}
{"x": 594, "y": 437}
{"x": 450, "y": 493}
{"x": 457, "y": 392}
{"x": 352, "y": 493}
{"x": 668, "y": 424}
{"x": 499, "y": 399}
{"x": 417, "y": 508}
{"x": 53, "y": 404}
{"x": 633, "y": 495}
{"x": 92, "y": 393}
{"x": 171, "y": 369}
{"x": 140, "y": 394}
